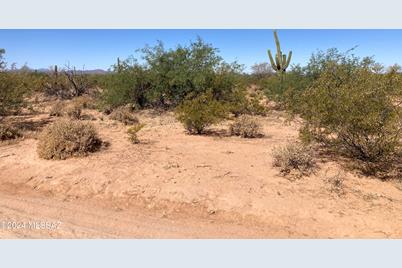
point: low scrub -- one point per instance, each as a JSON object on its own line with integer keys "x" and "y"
{"x": 73, "y": 110}
{"x": 85, "y": 102}
{"x": 246, "y": 126}
{"x": 67, "y": 138}
{"x": 293, "y": 157}
{"x": 132, "y": 133}
{"x": 57, "y": 109}
{"x": 8, "y": 133}
{"x": 123, "y": 114}
{"x": 200, "y": 112}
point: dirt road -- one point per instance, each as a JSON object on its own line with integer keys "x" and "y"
{"x": 25, "y": 214}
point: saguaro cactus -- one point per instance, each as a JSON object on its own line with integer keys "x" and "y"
{"x": 118, "y": 65}
{"x": 281, "y": 62}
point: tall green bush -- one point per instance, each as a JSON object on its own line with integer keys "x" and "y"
{"x": 13, "y": 86}
{"x": 168, "y": 76}
{"x": 355, "y": 109}
{"x": 128, "y": 84}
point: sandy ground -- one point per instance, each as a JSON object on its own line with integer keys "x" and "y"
{"x": 175, "y": 185}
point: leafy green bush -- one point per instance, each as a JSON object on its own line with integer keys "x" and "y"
{"x": 15, "y": 85}
{"x": 246, "y": 126}
{"x": 240, "y": 103}
{"x": 124, "y": 115}
{"x": 12, "y": 91}
{"x": 168, "y": 76}
{"x": 286, "y": 93}
{"x": 67, "y": 138}
{"x": 356, "y": 110}
{"x": 200, "y": 112}
{"x": 12, "y": 88}
{"x": 127, "y": 85}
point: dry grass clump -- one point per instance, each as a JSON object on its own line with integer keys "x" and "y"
{"x": 336, "y": 183}
{"x": 294, "y": 157}
{"x": 85, "y": 102}
{"x": 67, "y": 138}
{"x": 132, "y": 133}
{"x": 9, "y": 133}
{"x": 124, "y": 115}
{"x": 73, "y": 111}
{"x": 246, "y": 126}
{"x": 57, "y": 109}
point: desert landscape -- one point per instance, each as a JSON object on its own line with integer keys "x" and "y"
{"x": 205, "y": 165}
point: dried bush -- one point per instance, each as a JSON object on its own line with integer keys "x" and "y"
{"x": 73, "y": 110}
{"x": 336, "y": 183}
{"x": 57, "y": 109}
{"x": 85, "y": 102}
{"x": 200, "y": 112}
{"x": 246, "y": 126}
{"x": 8, "y": 132}
{"x": 124, "y": 115}
{"x": 67, "y": 138}
{"x": 293, "y": 157}
{"x": 132, "y": 133}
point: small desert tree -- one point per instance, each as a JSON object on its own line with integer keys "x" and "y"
{"x": 355, "y": 109}
{"x": 127, "y": 84}
{"x": 12, "y": 88}
{"x": 263, "y": 69}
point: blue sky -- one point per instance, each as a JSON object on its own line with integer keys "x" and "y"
{"x": 98, "y": 49}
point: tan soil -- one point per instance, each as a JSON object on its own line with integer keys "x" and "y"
{"x": 183, "y": 186}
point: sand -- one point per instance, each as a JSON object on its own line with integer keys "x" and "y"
{"x": 176, "y": 185}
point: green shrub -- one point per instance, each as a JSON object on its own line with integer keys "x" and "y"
{"x": 168, "y": 76}
{"x": 239, "y": 103}
{"x": 12, "y": 91}
{"x": 8, "y": 132}
{"x": 127, "y": 85}
{"x": 355, "y": 110}
{"x": 123, "y": 114}
{"x": 287, "y": 93}
{"x": 246, "y": 126}
{"x": 132, "y": 133}
{"x": 13, "y": 86}
{"x": 293, "y": 157}
{"x": 200, "y": 112}
{"x": 67, "y": 138}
